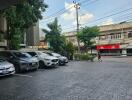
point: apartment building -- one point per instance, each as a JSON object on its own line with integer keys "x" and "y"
{"x": 115, "y": 39}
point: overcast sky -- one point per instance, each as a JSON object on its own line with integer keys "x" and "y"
{"x": 89, "y": 12}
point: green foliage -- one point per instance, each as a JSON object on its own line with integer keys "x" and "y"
{"x": 53, "y": 36}
{"x": 70, "y": 49}
{"x": 20, "y": 17}
{"x": 15, "y": 38}
{"x": 87, "y": 34}
{"x": 84, "y": 57}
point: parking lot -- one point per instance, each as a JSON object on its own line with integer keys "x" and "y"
{"x": 105, "y": 80}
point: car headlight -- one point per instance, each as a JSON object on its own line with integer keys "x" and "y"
{"x": 12, "y": 66}
{"x": 47, "y": 59}
{"x": 22, "y": 61}
{"x": 1, "y": 71}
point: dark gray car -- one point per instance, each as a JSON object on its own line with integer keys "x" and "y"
{"x": 22, "y": 61}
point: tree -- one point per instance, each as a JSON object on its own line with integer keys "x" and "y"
{"x": 20, "y": 17}
{"x": 86, "y": 35}
{"x": 53, "y": 36}
{"x": 70, "y": 50}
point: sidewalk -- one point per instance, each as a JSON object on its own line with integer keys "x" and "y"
{"x": 118, "y": 59}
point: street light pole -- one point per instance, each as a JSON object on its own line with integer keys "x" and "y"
{"x": 77, "y": 6}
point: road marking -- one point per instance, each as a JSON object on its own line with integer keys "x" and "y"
{"x": 23, "y": 75}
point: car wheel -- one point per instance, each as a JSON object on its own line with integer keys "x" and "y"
{"x": 17, "y": 69}
{"x": 35, "y": 69}
{"x": 61, "y": 64}
{"x": 41, "y": 64}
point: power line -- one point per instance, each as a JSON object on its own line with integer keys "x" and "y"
{"x": 106, "y": 13}
{"x": 110, "y": 15}
{"x": 63, "y": 10}
{"x": 86, "y": 4}
{"x": 127, "y": 20}
{"x": 103, "y": 17}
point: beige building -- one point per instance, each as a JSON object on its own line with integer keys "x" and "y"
{"x": 115, "y": 39}
{"x": 31, "y": 37}
{"x": 71, "y": 37}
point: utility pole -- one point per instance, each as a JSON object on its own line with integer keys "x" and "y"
{"x": 77, "y": 6}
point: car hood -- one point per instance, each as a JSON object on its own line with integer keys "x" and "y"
{"x": 5, "y": 64}
{"x": 33, "y": 59}
{"x": 62, "y": 57}
{"x": 49, "y": 57}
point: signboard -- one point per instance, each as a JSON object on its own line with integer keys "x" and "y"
{"x": 111, "y": 46}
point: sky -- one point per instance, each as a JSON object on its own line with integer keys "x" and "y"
{"x": 91, "y": 13}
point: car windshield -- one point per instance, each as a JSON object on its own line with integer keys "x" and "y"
{"x": 43, "y": 54}
{"x": 22, "y": 55}
{"x": 32, "y": 54}
{"x": 56, "y": 54}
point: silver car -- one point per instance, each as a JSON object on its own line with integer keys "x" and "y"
{"x": 6, "y": 68}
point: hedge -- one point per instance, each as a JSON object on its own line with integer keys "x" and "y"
{"x": 84, "y": 57}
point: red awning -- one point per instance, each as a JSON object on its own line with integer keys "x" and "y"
{"x": 111, "y": 46}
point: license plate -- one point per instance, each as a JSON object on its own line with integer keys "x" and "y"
{"x": 33, "y": 63}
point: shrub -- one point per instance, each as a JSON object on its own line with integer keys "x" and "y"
{"x": 84, "y": 57}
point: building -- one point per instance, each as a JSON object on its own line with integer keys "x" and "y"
{"x": 6, "y": 3}
{"x": 71, "y": 37}
{"x": 3, "y": 28}
{"x": 31, "y": 37}
{"x": 115, "y": 39}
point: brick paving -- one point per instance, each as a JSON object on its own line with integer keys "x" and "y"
{"x": 107, "y": 80}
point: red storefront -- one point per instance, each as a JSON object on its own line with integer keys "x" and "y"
{"x": 111, "y": 49}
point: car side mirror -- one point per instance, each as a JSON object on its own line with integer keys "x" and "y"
{"x": 11, "y": 57}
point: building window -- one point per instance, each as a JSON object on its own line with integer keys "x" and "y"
{"x": 118, "y": 35}
{"x": 130, "y": 34}
{"x": 102, "y": 37}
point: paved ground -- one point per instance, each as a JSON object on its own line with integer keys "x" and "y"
{"x": 107, "y": 80}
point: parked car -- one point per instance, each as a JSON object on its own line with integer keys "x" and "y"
{"x": 45, "y": 60}
{"x": 62, "y": 59}
{"x": 22, "y": 61}
{"x": 6, "y": 68}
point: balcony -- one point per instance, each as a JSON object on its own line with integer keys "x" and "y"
{"x": 113, "y": 41}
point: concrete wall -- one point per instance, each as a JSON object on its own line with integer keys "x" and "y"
{"x": 3, "y": 28}
{"x": 32, "y": 35}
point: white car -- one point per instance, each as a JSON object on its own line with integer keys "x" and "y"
{"x": 45, "y": 60}
{"x": 62, "y": 59}
{"x": 6, "y": 68}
